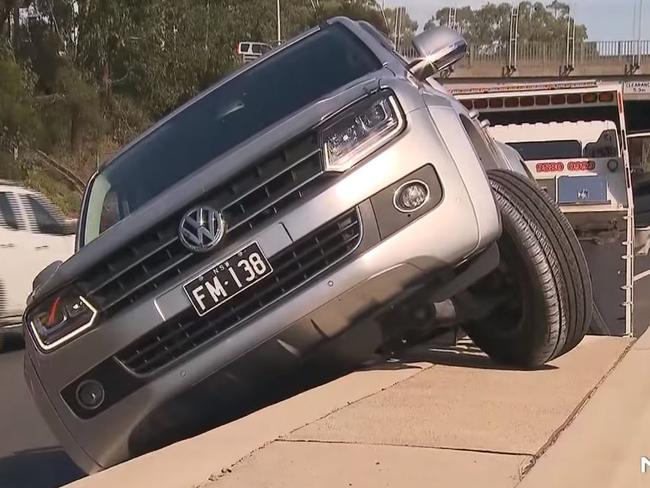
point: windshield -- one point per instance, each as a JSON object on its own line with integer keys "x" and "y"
{"x": 224, "y": 118}
{"x": 531, "y": 151}
{"x": 640, "y": 153}
{"x": 605, "y": 147}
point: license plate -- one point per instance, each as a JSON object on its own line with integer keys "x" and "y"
{"x": 227, "y": 279}
{"x": 582, "y": 190}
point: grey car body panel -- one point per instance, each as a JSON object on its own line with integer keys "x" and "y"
{"x": 60, "y": 367}
{"x": 513, "y": 160}
{"x": 384, "y": 168}
{"x": 447, "y": 122}
{"x": 465, "y": 222}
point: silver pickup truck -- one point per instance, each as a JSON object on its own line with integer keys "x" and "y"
{"x": 321, "y": 202}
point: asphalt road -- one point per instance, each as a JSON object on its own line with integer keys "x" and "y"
{"x": 29, "y": 454}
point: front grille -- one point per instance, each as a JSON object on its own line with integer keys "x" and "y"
{"x": 250, "y": 198}
{"x": 293, "y": 267}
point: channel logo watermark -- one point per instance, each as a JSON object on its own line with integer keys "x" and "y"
{"x": 645, "y": 464}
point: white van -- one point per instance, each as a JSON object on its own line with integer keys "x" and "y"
{"x": 33, "y": 234}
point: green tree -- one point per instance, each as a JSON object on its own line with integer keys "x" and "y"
{"x": 79, "y": 78}
{"x": 367, "y": 10}
{"x": 401, "y": 27}
{"x": 559, "y": 9}
{"x": 19, "y": 123}
{"x": 490, "y": 23}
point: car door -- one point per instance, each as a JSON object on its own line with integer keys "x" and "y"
{"x": 642, "y": 204}
{"x": 639, "y": 151}
{"x": 15, "y": 253}
{"x": 642, "y": 218}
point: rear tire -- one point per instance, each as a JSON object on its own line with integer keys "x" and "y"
{"x": 543, "y": 284}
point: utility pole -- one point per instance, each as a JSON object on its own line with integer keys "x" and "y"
{"x": 452, "y": 23}
{"x": 570, "y": 60}
{"x": 383, "y": 13}
{"x": 511, "y": 67}
{"x": 15, "y": 28}
{"x": 634, "y": 18}
{"x": 638, "y": 41}
{"x": 640, "y": 18}
{"x": 398, "y": 27}
{"x": 279, "y": 27}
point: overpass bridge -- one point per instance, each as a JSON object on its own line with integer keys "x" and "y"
{"x": 505, "y": 64}
{"x": 558, "y": 59}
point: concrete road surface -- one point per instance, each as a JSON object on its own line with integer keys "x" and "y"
{"x": 443, "y": 417}
{"x": 605, "y": 445}
{"x": 29, "y": 454}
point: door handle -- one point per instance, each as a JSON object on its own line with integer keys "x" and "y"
{"x": 42, "y": 247}
{"x": 6, "y": 245}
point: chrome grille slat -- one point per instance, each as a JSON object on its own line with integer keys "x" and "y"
{"x": 148, "y": 281}
{"x": 261, "y": 185}
{"x": 123, "y": 271}
{"x": 293, "y": 268}
{"x": 274, "y": 202}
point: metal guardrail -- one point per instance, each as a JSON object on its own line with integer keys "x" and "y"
{"x": 66, "y": 174}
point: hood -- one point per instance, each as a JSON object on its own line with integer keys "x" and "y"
{"x": 195, "y": 186}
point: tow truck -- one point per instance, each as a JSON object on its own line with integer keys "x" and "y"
{"x": 573, "y": 139}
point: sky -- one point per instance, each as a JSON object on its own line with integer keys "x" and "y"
{"x": 606, "y": 20}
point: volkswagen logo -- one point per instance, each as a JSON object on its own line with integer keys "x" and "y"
{"x": 201, "y": 229}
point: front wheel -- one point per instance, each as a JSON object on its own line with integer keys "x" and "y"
{"x": 540, "y": 297}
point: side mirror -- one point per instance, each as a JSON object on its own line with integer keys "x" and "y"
{"x": 438, "y": 48}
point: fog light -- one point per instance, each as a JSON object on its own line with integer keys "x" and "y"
{"x": 612, "y": 164}
{"x": 411, "y": 196}
{"x": 90, "y": 394}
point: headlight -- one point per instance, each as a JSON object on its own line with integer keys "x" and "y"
{"x": 360, "y": 130}
{"x": 60, "y": 318}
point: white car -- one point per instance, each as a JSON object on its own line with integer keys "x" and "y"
{"x": 33, "y": 233}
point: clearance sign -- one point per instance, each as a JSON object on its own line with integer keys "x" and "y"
{"x": 636, "y": 90}
{"x": 636, "y": 87}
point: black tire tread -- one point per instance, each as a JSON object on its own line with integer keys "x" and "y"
{"x": 559, "y": 315}
{"x": 530, "y": 240}
{"x": 573, "y": 264}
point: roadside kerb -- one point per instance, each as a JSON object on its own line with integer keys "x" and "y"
{"x": 194, "y": 461}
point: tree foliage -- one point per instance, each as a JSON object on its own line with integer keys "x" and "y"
{"x": 401, "y": 27}
{"x": 490, "y": 23}
{"x": 79, "y": 78}
{"x": 19, "y": 124}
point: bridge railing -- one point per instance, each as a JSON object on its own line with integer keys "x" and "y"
{"x": 539, "y": 52}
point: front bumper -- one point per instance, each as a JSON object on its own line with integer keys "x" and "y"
{"x": 278, "y": 339}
